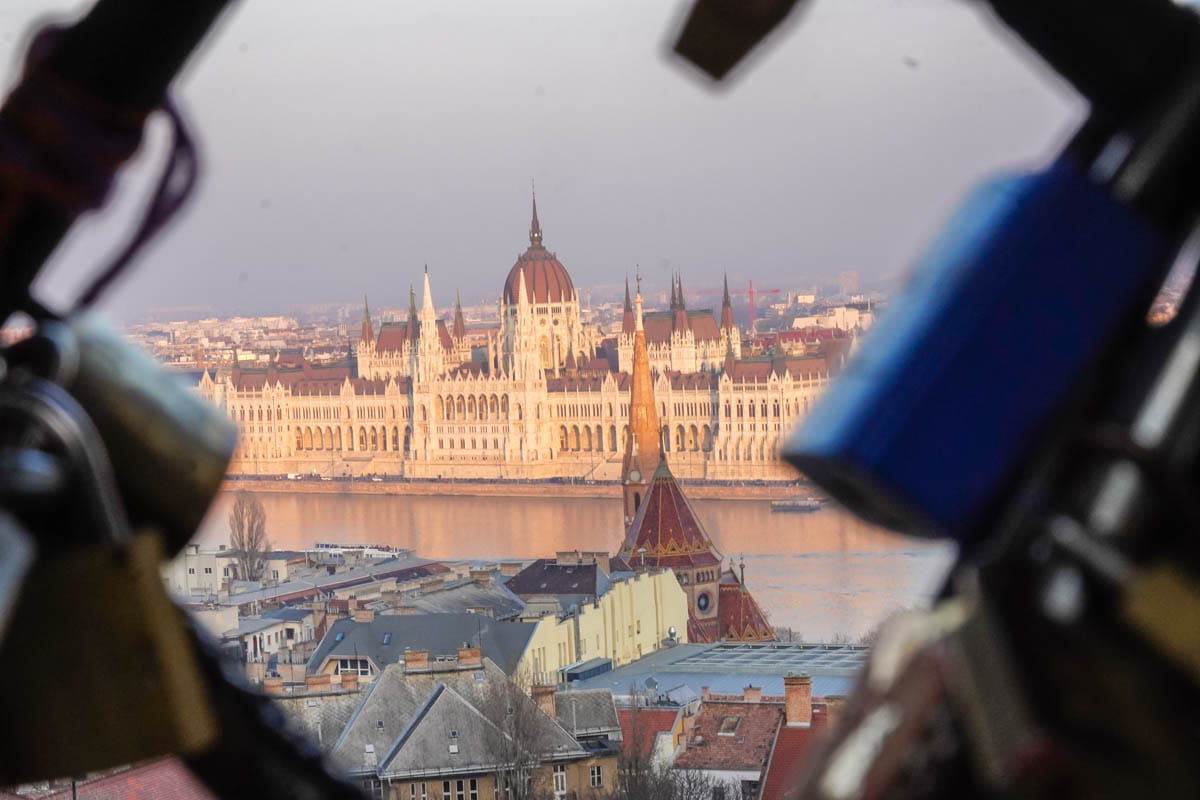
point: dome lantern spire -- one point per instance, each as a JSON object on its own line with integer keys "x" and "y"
{"x": 535, "y": 228}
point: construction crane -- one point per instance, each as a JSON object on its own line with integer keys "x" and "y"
{"x": 750, "y": 294}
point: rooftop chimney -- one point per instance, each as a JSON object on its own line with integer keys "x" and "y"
{"x": 273, "y": 685}
{"x": 470, "y": 657}
{"x": 544, "y": 696}
{"x": 483, "y": 577}
{"x": 349, "y": 681}
{"x": 318, "y": 683}
{"x": 364, "y": 615}
{"x": 416, "y": 661}
{"x": 752, "y": 694}
{"x": 797, "y": 690}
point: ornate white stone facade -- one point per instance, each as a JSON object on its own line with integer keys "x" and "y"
{"x": 543, "y": 403}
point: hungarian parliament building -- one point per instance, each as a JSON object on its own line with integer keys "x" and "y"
{"x": 546, "y": 398}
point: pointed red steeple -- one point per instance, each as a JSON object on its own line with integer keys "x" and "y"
{"x": 667, "y": 528}
{"x": 741, "y": 618}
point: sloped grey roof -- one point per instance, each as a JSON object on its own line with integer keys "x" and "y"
{"x": 323, "y": 716}
{"x": 465, "y": 594}
{"x": 587, "y": 712}
{"x": 397, "y": 718}
{"x": 440, "y": 634}
{"x": 425, "y": 746}
{"x": 289, "y": 614}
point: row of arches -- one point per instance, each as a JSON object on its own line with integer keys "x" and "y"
{"x": 472, "y": 408}
{"x": 364, "y": 438}
{"x": 588, "y": 439}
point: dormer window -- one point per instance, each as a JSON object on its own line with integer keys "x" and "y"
{"x": 729, "y": 726}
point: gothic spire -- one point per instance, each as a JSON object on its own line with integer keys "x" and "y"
{"x": 368, "y": 332}
{"x": 726, "y": 309}
{"x": 427, "y": 297}
{"x": 535, "y": 228}
{"x": 642, "y": 443}
{"x": 679, "y": 283}
{"x": 412, "y": 314}
{"x": 627, "y": 324}
{"x": 460, "y": 324}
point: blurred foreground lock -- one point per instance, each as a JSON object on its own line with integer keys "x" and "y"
{"x": 119, "y": 685}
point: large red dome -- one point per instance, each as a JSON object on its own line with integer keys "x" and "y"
{"x": 546, "y": 279}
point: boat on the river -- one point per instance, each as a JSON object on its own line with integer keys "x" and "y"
{"x": 796, "y": 505}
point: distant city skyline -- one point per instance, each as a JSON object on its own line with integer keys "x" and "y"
{"x": 345, "y": 150}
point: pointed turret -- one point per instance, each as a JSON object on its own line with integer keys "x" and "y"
{"x": 642, "y": 443}
{"x": 460, "y": 324}
{"x": 413, "y": 326}
{"x": 522, "y": 296}
{"x": 627, "y": 317}
{"x": 681, "y": 317}
{"x": 571, "y": 366}
{"x": 368, "y": 332}
{"x": 726, "y": 309}
{"x": 427, "y": 309}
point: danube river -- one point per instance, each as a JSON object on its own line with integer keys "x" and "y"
{"x": 823, "y": 574}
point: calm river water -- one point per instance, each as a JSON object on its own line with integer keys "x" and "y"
{"x": 822, "y": 574}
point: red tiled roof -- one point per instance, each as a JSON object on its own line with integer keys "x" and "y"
{"x": 392, "y": 336}
{"x": 166, "y": 779}
{"x": 639, "y": 729}
{"x": 749, "y": 732}
{"x": 667, "y": 527}
{"x": 659, "y": 325}
{"x": 546, "y": 279}
{"x": 788, "y": 757}
{"x": 741, "y": 618}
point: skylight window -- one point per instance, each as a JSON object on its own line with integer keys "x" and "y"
{"x": 729, "y": 726}
{"x": 339, "y": 637}
{"x": 387, "y": 638}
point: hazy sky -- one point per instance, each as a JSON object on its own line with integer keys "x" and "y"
{"x": 347, "y": 144}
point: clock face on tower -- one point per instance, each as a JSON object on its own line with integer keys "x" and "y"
{"x": 702, "y": 601}
{"x": 634, "y": 475}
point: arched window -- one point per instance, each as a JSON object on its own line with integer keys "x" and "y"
{"x": 471, "y": 408}
{"x": 407, "y": 439}
{"x": 563, "y": 443}
{"x": 395, "y": 438}
{"x": 337, "y": 439}
{"x": 299, "y": 439}
{"x": 708, "y": 439}
{"x": 374, "y": 439}
{"x": 612, "y": 438}
{"x": 329, "y": 437}
{"x": 575, "y": 437}
{"x": 679, "y": 440}
{"x": 362, "y": 439}
{"x": 383, "y": 438}
{"x": 587, "y": 438}
{"x": 308, "y": 438}
{"x": 439, "y": 408}
{"x": 599, "y": 438}
{"x": 665, "y": 438}
{"x": 693, "y": 439}
{"x": 474, "y": 446}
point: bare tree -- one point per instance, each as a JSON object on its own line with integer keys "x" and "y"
{"x": 523, "y": 735}
{"x": 248, "y": 535}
